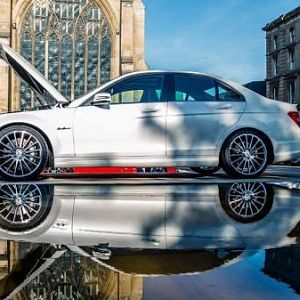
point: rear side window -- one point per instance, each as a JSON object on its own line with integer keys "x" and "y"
{"x": 227, "y": 94}
{"x": 194, "y": 88}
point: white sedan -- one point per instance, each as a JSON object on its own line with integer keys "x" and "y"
{"x": 146, "y": 119}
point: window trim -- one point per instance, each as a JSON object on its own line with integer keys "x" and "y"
{"x": 172, "y": 91}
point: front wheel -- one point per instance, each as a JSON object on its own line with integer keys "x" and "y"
{"x": 23, "y": 153}
{"x": 245, "y": 154}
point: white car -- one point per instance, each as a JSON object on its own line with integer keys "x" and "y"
{"x": 147, "y": 119}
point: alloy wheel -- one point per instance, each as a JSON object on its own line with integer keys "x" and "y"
{"x": 20, "y": 153}
{"x": 248, "y": 154}
{"x": 247, "y": 199}
{"x": 19, "y": 204}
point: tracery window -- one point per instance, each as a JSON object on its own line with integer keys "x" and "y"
{"x": 68, "y": 41}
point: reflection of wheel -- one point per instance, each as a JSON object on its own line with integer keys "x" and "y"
{"x": 23, "y": 152}
{"x": 23, "y": 206}
{"x": 247, "y": 202}
{"x": 206, "y": 171}
{"x": 245, "y": 154}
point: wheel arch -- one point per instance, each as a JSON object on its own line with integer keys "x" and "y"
{"x": 39, "y": 130}
{"x": 270, "y": 147}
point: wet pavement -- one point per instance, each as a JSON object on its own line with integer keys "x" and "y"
{"x": 150, "y": 238}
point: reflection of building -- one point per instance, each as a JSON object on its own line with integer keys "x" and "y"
{"x": 283, "y": 57}
{"x": 75, "y": 44}
{"x": 284, "y": 264}
{"x": 70, "y": 276}
{"x": 4, "y": 262}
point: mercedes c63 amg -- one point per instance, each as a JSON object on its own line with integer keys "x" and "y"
{"x": 153, "y": 118}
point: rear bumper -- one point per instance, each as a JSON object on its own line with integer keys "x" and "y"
{"x": 286, "y": 143}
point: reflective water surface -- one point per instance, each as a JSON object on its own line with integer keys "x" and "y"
{"x": 150, "y": 241}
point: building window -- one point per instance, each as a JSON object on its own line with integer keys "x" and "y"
{"x": 291, "y": 91}
{"x": 275, "y": 92}
{"x": 292, "y": 59}
{"x": 292, "y": 36}
{"x": 275, "y": 65}
{"x": 70, "y": 43}
{"x": 275, "y": 42}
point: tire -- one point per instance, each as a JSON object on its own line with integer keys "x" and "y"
{"x": 206, "y": 171}
{"x": 23, "y": 153}
{"x": 246, "y": 202}
{"x": 24, "y": 206}
{"x": 245, "y": 154}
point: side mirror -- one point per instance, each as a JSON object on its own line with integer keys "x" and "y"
{"x": 102, "y": 99}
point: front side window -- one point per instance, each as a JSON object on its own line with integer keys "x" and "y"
{"x": 192, "y": 88}
{"x": 142, "y": 89}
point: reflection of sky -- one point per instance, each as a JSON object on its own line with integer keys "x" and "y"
{"x": 243, "y": 280}
{"x": 223, "y": 37}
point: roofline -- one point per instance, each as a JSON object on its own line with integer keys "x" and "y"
{"x": 282, "y": 19}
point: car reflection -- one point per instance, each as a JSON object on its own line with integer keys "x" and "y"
{"x": 204, "y": 216}
{"x": 137, "y": 229}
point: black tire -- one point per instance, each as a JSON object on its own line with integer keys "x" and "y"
{"x": 237, "y": 206}
{"x": 234, "y": 148}
{"x": 206, "y": 171}
{"x": 24, "y": 206}
{"x": 23, "y": 153}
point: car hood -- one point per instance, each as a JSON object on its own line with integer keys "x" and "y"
{"x": 41, "y": 86}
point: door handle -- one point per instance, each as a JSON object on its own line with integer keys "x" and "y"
{"x": 150, "y": 110}
{"x": 224, "y": 106}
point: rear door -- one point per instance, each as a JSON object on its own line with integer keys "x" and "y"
{"x": 200, "y": 111}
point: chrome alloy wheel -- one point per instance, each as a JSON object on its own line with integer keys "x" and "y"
{"x": 248, "y": 154}
{"x": 247, "y": 199}
{"x": 19, "y": 204}
{"x": 20, "y": 153}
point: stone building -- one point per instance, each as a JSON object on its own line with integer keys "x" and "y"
{"x": 283, "y": 57}
{"x": 77, "y": 44}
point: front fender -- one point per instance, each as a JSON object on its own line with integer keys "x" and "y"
{"x": 55, "y": 124}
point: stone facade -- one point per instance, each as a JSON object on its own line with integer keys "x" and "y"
{"x": 127, "y": 35}
{"x": 283, "y": 57}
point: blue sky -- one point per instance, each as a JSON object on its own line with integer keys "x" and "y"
{"x": 222, "y": 37}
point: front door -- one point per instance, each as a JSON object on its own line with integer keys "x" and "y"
{"x": 133, "y": 125}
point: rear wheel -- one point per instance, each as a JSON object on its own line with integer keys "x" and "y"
{"x": 23, "y": 153}
{"x": 245, "y": 154}
{"x": 206, "y": 171}
{"x": 247, "y": 202}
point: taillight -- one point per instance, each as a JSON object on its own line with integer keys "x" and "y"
{"x": 295, "y": 117}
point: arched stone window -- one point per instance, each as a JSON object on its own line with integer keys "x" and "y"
{"x": 69, "y": 41}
